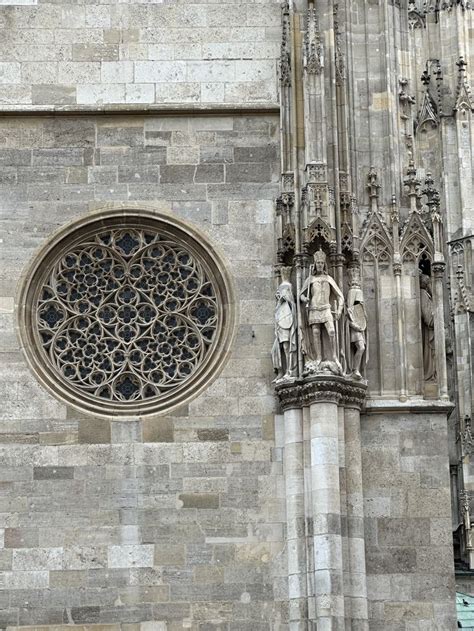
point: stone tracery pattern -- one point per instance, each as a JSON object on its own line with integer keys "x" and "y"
{"x": 126, "y": 315}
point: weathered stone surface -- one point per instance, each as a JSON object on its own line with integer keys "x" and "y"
{"x": 404, "y": 558}
{"x": 130, "y": 556}
{"x": 53, "y": 473}
{"x": 204, "y": 518}
{"x": 141, "y": 49}
{"x": 94, "y": 430}
{"x": 94, "y": 510}
{"x": 199, "y": 500}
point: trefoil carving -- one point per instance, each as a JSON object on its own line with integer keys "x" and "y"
{"x": 415, "y": 239}
{"x": 376, "y": 243}
{"x": 416, "y": 16}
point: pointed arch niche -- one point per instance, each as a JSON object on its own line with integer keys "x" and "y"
{"x": 378, "y": 283}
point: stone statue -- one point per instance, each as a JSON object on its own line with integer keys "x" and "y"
{"x": 427, "y": 328}
{"x": 356, "y": 326}
{"x": 324, "y": 303}
{"x": 284, "y": 347}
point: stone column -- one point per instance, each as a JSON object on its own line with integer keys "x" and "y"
{"x": 293, "y": 461}
{"x": 315, "y": 429}
{"x": 326, "y": 505}
{"x": 309, "y": 518}
{"x": 357, "y": 589}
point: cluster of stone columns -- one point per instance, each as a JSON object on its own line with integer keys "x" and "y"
{"x": 323, "y": 482}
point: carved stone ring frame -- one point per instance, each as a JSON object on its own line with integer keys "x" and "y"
{"x": 126, "y": 312}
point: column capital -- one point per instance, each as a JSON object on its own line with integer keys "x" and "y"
{"x": 332, "y": 389}
{"x": 438, "y": 269}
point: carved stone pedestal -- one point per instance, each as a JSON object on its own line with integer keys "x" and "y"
{"x": 323, "y": 474}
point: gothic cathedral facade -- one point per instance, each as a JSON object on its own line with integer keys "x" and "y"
{"x": 237, "y": 301}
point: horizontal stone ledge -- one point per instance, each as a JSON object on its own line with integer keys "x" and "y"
{"x": 142, "y": 626}
{"x": 139, "y": 109}
{"x": 395, "y": 406}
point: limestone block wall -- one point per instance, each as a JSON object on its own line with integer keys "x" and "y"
{"x": 410, "y": 568}
{"x": 166, "y": 51}
{"x": 177, "y": 519}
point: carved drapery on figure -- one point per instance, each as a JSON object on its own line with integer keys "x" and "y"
{"x": 356, "y": 326}
{"x": 284, "y": 351}
{"x": 427, "y": 327}
{"x": 323, "y": 303}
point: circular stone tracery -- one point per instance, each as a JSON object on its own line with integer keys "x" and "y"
{"x": 126, "y": 316}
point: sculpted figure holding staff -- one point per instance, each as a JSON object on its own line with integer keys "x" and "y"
{"x": 356, "y": 326}
{"x": 324, "y": 303}
{"x": 284, "y": 347}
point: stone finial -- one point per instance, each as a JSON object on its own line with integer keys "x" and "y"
{"x": 412, "y": 183}
{"x": 394, "y": 211}
{"x": 285, "y": 56}
{"x": 464, "y": 301}
{"x": 425, "y": 78}
{"x": 464, "y": 100}
{"x": 373, "y": 187}
{"x": 313, "y": 48}
{"x": 340, "y": 62}
{"x": 461, "y": 64}
{"x": 432, "y": 197}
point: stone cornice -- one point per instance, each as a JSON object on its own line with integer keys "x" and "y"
{"x": 131, "y": 109}
{"x": 411, "y": 406}
{"x": 340, "y": 390}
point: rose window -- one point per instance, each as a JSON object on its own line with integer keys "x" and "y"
{"x": 126, "y": 315}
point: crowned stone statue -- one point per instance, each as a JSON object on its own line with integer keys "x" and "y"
{"x": 323, "y": 302}
{"x": 284, "y": 347}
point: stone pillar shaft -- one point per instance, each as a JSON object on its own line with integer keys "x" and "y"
{"x": 326, "y": 570}
{"x": 326, "y": 505}
{"x": 357, "y": 589}
{"x": 309, "y": 517}
{"x": 295, "y": 519}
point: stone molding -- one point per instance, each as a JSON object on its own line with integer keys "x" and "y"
{"x": 138, "y": 109}
{"x": 333, "y": 389}
{"x": 411, "y": 406}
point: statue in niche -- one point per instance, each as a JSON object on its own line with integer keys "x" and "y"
{"x": 356, "y": 326}
{"x": 284, "y": 347}
{"x": 323, "y": 302}
{"x": 427, "y": 328}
